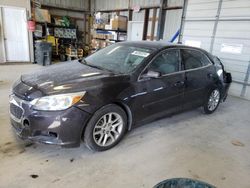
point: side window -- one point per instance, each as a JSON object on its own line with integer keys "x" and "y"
{"x": 194, "y": 59}
{"x": 217, "y": 61}
{"x": 165, "y": 63}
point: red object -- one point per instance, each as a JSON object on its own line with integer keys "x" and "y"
{"x": 31, "y": 25}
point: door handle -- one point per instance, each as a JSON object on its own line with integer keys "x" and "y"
{"x": 179, "y": 83}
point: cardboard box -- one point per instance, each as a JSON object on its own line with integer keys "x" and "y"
{"x": 103, "y": 44}
{"x": 95, "y": 44}
{"x": 110, "y": 36}
{"x": 42, "y": 15}
{"x": 108, "y": 26}
{"x": 119, "y": 23}
{"x": 99, "y": 26}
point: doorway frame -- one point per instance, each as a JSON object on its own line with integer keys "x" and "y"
{"x": 2, "y": 34}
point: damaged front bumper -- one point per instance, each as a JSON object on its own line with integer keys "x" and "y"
{"x": 62, "y": 128}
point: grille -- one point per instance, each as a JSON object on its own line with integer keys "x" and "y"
{"x": 16, "y": 111}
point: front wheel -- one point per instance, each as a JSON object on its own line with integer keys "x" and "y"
{"x": 212, "y": 101}
{"x": 106, "y": 128}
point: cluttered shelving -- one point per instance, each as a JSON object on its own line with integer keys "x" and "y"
{"x": 56, "y": 37}
{"x": 107, "y": 30}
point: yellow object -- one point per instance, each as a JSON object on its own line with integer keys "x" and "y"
{"x": 51, "y": 39}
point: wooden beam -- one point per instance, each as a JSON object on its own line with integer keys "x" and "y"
{"x": 64, "y": 8}
{"x": 130, "y": 15}
{"x": 142, "y": 8}
{"x": 113, "y": 10}
{"x": 75, "y": 18}
{"x": 172, "y": 8}
{"x": 153, "y": 24}
{"x": 145, "y": 25}
{"x": 85, "y": 30}
{"x": 149, "y": 37}
{"x": 152, "y": 19}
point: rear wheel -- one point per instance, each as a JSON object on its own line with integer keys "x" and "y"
{"x": 106, "y": 128}
{"x": 212, "y": 101}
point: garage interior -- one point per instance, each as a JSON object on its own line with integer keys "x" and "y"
{"x": 34, "y": 34}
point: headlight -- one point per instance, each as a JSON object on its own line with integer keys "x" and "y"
{"x": 57, "y": 102}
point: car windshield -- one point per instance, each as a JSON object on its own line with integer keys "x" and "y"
{"x": 118, "y": 58}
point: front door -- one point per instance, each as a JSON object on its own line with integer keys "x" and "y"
{"x": 156, "y": 97}
{"x": 15, "y": 34}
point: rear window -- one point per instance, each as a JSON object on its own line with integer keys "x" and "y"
{"x": 194, "y": 59}
{"x": 217, "y": 61}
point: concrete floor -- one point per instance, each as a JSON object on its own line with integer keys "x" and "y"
{"x": 190, "y": 145}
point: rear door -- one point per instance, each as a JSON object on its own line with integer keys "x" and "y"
{"x": 156, "y": 97}
{"x": 199, "y": 77}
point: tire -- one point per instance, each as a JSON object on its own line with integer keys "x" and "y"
{"x": 106, "y": 128}
{"x": 212, "y": 101}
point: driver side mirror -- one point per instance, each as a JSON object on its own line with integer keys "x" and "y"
{"x": 151, "y": 74}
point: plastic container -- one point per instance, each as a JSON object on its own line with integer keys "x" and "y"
{"x": 182, "y": 183}
{"x": 43, "y": 53}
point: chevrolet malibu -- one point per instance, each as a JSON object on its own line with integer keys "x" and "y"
{"x": 114, "y": 90}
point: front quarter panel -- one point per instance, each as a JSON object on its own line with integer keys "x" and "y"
{"x": 107, "y": 92}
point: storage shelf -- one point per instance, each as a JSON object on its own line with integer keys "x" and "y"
{"x": 53, "y": 25}
{"x": 109, "y": 40}
{"x": 119, "y": 31}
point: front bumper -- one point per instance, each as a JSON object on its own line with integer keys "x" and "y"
{"x": 62, "y": 128}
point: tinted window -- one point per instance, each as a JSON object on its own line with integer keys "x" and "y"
{"x": 165, "y": 63}
{"x": 194, "y": 59}
{"x": 217, "y": 61}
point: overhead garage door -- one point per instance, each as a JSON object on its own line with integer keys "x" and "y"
{"x": 223, "y": 28}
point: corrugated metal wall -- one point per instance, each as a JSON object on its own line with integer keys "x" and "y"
{"x": 223, "y": 28}
{"x": 110, "y": 4}
{"x": 145, "y": 3}
{"x": 121, "y": 4}
{"x": 73, "y": 4}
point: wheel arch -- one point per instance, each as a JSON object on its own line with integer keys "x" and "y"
{"x": 127, "y": 111}
{"x": 119, "y": 104}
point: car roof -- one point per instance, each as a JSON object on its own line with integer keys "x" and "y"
{"x": 151, "y": 44}
{"x": 158, "y": 45}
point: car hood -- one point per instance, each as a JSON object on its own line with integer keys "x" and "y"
{"x": 67, "y": 77}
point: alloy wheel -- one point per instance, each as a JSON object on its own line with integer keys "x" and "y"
{"x": 108, "y": 129}
{"x": 214, "y": 100}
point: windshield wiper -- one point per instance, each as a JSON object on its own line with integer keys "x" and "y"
{"x": 83, "y": 61}
{"x": 94, "y": 66}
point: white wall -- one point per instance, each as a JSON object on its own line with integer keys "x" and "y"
{"x": 23, "y": 4}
